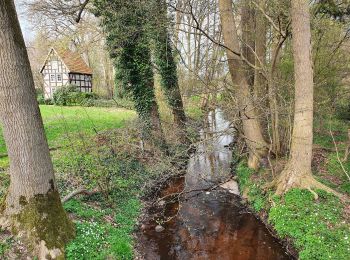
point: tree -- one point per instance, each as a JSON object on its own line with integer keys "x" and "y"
{"x": 164, "y": 59}
{"x": 129, "y": 46}
{"x": 251, "y": 127}
{"x": 297, "y": 172}
{"x": 32, "y": 208}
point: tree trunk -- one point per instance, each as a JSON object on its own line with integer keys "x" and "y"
{"x": 297, "y": 173}
{"x": 32, "y": 208}
{"x": 251, "y": 127}
{"x": 248, "y": 38}
{"x": 260, "y": 59}
{"x": 166, "y": 63}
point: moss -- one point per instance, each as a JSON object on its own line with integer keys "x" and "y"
{"x": 22, "y": 201}
{"x": 43, "y": 218}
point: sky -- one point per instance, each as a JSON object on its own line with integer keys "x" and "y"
{"x": 26, "y": 26}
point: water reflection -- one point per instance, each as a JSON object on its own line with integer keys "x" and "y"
{"x": 209, "y": 224}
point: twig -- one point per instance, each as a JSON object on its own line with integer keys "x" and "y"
{"x": 338, "y": 158}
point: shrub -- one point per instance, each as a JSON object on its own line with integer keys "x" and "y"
{"x": 70, "y": 95}
{"x": 40, "y": 96}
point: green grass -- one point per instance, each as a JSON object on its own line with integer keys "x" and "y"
{"x": 98, "y": 239}
{"x": 61, "y": 122}
{"x": 317, "y": 228}
{"x": 332, "y": 165}
{"x": 104, "y": 225}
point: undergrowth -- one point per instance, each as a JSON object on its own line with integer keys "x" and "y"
{"x": 99, "y": 239}
{"x": 317, "y": 228}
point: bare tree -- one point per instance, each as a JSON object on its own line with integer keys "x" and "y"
{"x": 251, "y": 127}
{"x": 33, "y": 207}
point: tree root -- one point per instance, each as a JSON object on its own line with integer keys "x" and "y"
{"x": 290, "y": 179}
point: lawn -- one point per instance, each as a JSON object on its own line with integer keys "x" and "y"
{"x": 104, "y": 224}
{"x": 61, "y": 122}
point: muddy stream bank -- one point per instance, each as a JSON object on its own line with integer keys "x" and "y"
{"x": 207, "y": 223}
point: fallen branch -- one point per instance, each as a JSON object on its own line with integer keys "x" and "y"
{"x": 178, "y": 194}
{"x": 78, "y": 192}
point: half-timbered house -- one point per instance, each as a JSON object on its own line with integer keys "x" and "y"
{"x": 63, "y": 67}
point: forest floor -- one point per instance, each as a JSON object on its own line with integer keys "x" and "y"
{"x": 315, "y": 229}
{"x": 97, "y": 149}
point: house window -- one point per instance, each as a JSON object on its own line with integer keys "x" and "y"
{"x": 59, "y": 77}
{"x": 52, "y": 77}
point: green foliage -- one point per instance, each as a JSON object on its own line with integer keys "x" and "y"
{"x": 334, "y": 167}
{"x": 244, "y": 174}
{"x": 62, "y": 124}
{"x": 4, "y": 246}
{"x": 110, "y": 172}
{"x": 116, "y": 102}
{"x": 98, "y": 239}
{"x": 83, "y": 211}
{"x": 90, "y": 242}
{"x": 129, "y": 47}
{"x": 164, "y": 56}
{"x": 41, "y": 99}
{"x": 255, "y": 195}
{"x": 5, "y": 182}
{"x": 70, "y": 95}
{"x": 315, "y": 226}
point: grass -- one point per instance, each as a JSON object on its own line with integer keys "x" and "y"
{"x": 61, "y": 122}
{"x": 104, "y": 224}
{"x": 319, "y": 229}
{"x": 98, "y": 239}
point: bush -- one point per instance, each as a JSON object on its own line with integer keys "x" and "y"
{"x": 40, "y": 96}
{"x": 343, "y": 111}
{"x": 70, "y": 95}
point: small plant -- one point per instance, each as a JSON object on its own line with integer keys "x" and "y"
{"x": 90, "y": 241}
{"x": 315, "y": 226}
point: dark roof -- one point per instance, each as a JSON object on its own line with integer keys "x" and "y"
{"x": 73, "y": 61}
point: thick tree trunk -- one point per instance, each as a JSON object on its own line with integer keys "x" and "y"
{"x": 32, "y": 208}
{"x": 297, "y": 173}
{"x": 251, "y": 127}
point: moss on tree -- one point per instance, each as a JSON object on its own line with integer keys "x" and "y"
{"x": 43, "y": 218}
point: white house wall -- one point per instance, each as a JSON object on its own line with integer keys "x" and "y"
{"x": 55, "y": 75}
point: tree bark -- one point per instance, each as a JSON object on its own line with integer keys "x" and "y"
{"x": 251, "y": 127}
{"x": 297, "y": 173}
{"x": 168, "y": 70}
{"x": 260, "y": 50}
{"x": 248, "y": 39}
{"x": 32, "y": 208}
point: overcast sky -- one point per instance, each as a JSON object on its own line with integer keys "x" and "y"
{"x": 25, "y": 24}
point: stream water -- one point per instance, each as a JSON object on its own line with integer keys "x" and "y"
{"x": 208, "y": 223}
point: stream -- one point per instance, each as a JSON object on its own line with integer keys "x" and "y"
{"x": 208, "y": 223}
